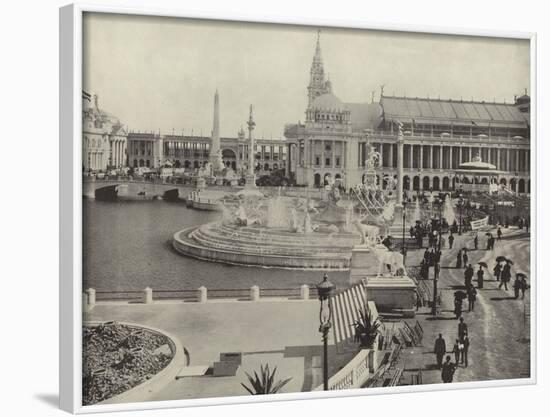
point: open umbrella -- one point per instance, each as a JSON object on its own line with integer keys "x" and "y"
{"x": 510, "y": 261}
{"x": 460, "y": 295}
{"x": 465, "y": 249}
{"x": 483, "y": 264}
{"x": 488, "y": 234}
{"x": 521, "y": 275}
{"x": 500, "y": 259}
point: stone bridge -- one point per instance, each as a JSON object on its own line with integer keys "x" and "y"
{"x": 110, "y": 189}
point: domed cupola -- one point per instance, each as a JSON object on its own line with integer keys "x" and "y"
{"x": 327, "y": 108}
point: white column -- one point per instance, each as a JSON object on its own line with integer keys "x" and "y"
{"x": 498, "y": 164}
{"x": 391, "y": 156}
{"x": 431, "y": 161}
{"x": 440, "y": 164}
{"x": 517, "y": 160}
{"x": 421, "y": 158}
{"x": 469, "y": 154}
{"x": 451, "y": 157}
{"x": 507, "y": 159}
{"x": 459, "y": 155}
{"x": 411, "y": 153}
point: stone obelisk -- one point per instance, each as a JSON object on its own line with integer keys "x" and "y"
{"x": 250, "y": 177}
{"x": 215, "y": 151}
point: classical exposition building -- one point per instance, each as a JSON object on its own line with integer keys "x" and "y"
{"x": 440, "y": 135}
{"x": 192, "y": 152}
{"x": 103, "y": 137}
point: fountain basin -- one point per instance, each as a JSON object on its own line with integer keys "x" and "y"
{"x": 266, "y": 247}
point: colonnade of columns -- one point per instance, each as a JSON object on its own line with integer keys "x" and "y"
{"x": 420, "y": 156}
{"x": 118, "y": 153}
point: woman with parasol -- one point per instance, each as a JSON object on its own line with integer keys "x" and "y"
{"x": 506, "y": 274}
{"x": 459, "y": 296}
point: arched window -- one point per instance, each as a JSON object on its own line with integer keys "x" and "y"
{"x": 135, "y": 163}
{"x": 445, "y": 183}
{"x": 195, "y": 164}
{"x": 266, "y": 167}
{"x": 436, "y": 184}
{"x": 141, "y": 162}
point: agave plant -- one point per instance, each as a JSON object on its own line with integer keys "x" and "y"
{"x": 264, "y": 383}
{"x": 366, "y": 329}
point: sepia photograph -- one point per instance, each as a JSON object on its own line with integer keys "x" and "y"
{"x": 278, "y": 208}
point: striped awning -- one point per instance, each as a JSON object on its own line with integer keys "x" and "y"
{"x": 346, "y": 306}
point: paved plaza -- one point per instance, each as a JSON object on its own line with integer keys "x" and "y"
{"x": 284, "y": 333}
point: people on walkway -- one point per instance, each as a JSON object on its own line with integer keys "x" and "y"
{"x": 448, "y": 370}
{"x": 489, "y": 236}
{"x": 451, "y": 240}
{"x": 458, "y": 307}
{"x": 464, "y": 352}
{"x": 462, "y": 328}
{"x": 472, "y": 294}
{"x": 459, "y": 260}
{"x": 499, "y": 233}
{"x": 491, "y": 242}
{"x": 480, "y": 274}
{"x": 497, "y": 270}
{"x": 468, "y": 275}
{"x": 505, "y": 275}
{"x": 440, "y": 349}
{"x": 476, "y": 241}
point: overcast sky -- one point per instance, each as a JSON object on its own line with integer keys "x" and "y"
{"x": 161, "y": 73}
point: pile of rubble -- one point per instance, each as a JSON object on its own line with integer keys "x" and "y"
{"x": 118, "y": 357}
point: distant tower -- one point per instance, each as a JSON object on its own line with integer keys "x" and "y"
{"x": 317, "y": 83}
{"x": 215, "y": 152}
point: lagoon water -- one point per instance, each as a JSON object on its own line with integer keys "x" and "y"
{"x": 127, "y": 246}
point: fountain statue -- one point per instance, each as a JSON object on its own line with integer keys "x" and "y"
{"x": 448, "y": 211}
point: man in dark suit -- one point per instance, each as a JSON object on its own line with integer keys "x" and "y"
{"x": 440, "y": 349}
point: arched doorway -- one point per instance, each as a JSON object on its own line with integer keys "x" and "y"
{"x": 229, "y": 158}
{"x": 446, "y": 183}
{"x": 484, "y": 180}
{"x": 426, "y": 183}
{"x": 406, "y": 183}
{"x": 521, "y": 186}
{"x": 416, "y": 183}
{"x": 186, "y": 164}
{"x": 436, "y": 184}
{"x": 503, "y": 181}
{"x": 266, "y": 167}
{"x": 327, "y": 179}
{"x": 317, "y": 180}
{"x": 513, "y": 184}
{"x": 195, "y": 164}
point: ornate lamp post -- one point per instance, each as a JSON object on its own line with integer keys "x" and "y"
{"x": 437, "y": 263}
{"x": 325, "y": 290}
{"x": 460, "y": 204}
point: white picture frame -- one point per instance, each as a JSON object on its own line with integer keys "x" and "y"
{"x": 70, "y": 288}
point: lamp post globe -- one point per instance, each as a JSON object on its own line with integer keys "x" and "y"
{"x": 325, "y": 289}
